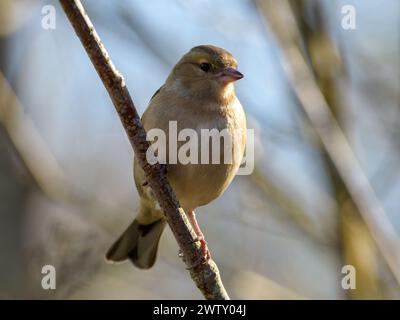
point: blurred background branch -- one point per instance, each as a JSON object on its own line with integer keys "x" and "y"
{"x": 343, "y": 165}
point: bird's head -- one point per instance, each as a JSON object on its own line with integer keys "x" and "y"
{"x": 205, "y": 71}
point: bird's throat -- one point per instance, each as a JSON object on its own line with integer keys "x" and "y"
{"x": 210, "y": 92}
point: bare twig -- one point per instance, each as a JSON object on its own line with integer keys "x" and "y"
{"x": 332, "y": 137}
{"x": 206, "y": 276}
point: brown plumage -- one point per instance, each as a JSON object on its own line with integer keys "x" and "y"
{"x": 198, "y": 94}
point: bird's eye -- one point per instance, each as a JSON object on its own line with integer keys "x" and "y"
{"x": 205, "y": 66}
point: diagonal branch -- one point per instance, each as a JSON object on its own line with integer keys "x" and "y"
{"x": 206, "y": 276}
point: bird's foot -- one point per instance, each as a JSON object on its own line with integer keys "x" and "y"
{"x": 204, "y": 257}
{"x": 204, "y": 248}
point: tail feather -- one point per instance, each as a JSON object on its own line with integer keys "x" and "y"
{"x": 139, "y": 243}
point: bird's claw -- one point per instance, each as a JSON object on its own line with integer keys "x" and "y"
{"x": 205, "y": 256}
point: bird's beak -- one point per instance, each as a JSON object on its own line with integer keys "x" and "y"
{"x": 230, "y": 74}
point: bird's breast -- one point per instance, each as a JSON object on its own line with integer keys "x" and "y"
{"x": 218, "y": 147}
{"x": 204, "y": 145}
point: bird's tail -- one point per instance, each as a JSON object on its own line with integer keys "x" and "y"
{"x": 138, "y": 243}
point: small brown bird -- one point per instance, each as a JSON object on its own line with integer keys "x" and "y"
{"x": 198, "y": 94}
